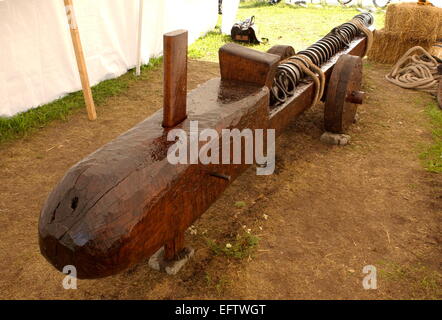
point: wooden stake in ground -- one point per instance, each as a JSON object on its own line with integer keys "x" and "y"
{"x": 75, "y": 35}
{"x": 140, "y": 32}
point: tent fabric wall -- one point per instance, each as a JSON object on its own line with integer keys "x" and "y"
{"x": 229, "y": 8}
{"x": 37, "y": 61}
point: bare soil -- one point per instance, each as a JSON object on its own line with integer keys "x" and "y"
{"x": 327, "y": 212}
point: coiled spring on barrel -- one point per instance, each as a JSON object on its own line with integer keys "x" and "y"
{"x": 289, "y": 74}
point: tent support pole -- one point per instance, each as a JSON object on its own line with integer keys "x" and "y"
{"x": 81, "y": 63}
{"x": 140, "y": 32}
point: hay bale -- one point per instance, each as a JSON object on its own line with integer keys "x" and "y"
{"x": 389, "y": 48}
{"x": 414, "y": 22}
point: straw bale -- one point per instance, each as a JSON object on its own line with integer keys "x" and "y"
{"x": 388, "y": 47}
{"x": 414, "y": 22}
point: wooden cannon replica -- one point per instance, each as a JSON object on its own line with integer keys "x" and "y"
{"x": 124, "y": 202}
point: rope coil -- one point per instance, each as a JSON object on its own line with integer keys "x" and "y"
{"x": 417, "y": 70}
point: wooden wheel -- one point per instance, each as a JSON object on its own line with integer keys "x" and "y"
{"x": 343, "y": 94}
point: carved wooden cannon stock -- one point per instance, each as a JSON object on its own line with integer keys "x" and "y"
{"x": 125, "y": 201}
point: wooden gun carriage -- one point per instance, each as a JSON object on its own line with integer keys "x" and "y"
{"x": 125, "y": 201}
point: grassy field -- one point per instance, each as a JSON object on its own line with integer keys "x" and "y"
{"x": 281, "y": 24}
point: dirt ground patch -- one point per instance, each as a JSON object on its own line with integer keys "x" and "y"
{"x": 326, "y": 212}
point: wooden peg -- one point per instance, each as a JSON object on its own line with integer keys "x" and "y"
{"x": 175, "y": 77}
{"x": 174, "y": 247}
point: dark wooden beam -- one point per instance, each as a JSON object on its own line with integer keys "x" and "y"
{"x": 125, "y": 201}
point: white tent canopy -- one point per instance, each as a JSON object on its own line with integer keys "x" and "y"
{"x": 37, "y": 61}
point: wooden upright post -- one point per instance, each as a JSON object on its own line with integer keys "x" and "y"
{"x": 75, "y": 35}
{"x": 175, "y": 103}
{"x": 175, "y": 77}
{"x": 174, "y": 247}
{"x": 140, "y": 38}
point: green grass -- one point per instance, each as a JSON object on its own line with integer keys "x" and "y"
{"x": 218, "y": 283}
{"x": 242, "y": 247}
{"x": 432, "y": 157}
{"x": 240, "y": 204}
{"x": 281, "y": 24}
{"x": 423, "y": 282}
{"x": 25, "y": 123}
